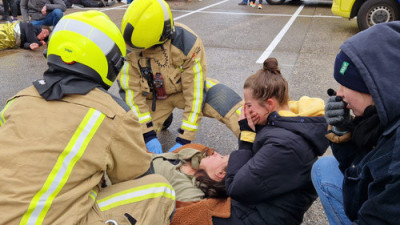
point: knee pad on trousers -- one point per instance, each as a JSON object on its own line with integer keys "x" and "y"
{"x": 222, "y": 98}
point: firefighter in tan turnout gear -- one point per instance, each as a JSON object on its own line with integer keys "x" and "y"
{"x": 166, "y": 70}
{"x": 60, "y": 136}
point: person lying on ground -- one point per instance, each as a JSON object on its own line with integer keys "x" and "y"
{"x": 23, "y": 35}
{"x": 195, "y": 172}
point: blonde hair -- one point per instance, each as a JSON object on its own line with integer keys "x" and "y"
{"x": 268, "y": 82}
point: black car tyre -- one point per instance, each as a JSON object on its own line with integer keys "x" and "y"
{"x": 275, "y": 2}
{"x": 377, "y": 11}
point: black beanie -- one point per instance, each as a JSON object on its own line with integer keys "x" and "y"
{"x": 346, "y": 74}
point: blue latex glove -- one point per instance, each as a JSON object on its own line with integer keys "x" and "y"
{"x": 154, "y": 146}
{"x": 177, "y": 145}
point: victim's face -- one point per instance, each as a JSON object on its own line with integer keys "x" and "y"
{"x": 214, "y": 165}
{"x": 43, "y": 34}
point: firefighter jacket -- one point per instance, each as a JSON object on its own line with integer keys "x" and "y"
{"x": 181, "y": 62}
{"x": 53, "y": 155}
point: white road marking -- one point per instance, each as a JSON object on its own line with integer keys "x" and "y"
{"x": 117, "y": 7}
{"x": 276, "y": 40}
{"x": 102, "y": 9}
{"x": 258, "y": 14}
{"x": 279, "y": 37}
{"x": 179, "y": 17}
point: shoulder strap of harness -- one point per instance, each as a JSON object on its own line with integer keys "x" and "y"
{"x": 147, "y": 73}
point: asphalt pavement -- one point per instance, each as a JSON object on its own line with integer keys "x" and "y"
{"x": 304, "y": 36}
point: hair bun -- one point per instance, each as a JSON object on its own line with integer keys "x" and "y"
{"x": 271, "y": 64}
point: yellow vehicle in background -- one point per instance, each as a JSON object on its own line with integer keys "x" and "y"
{"x": 368, "y": 12}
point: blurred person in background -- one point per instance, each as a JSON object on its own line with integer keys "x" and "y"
{"x": 42, "y": 12}
{"x": 10, "y": 6}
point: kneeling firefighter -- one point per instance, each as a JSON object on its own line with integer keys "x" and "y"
{"x": 60, "y": 136}
{"x": 166, "y": 70}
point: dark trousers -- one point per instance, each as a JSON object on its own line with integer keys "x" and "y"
{"x": 7, "y": 4}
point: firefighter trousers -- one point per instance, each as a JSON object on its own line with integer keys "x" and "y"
{"x": 149, "y": 200}
{"x": 221, "y": 103}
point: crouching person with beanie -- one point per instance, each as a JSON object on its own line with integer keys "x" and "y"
{"x": 361, "y": 182}
{"x": 60, "y": 136}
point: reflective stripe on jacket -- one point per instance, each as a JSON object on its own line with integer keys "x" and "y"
{"x": 182, "y": 64}
{"x": 55, "y": 153}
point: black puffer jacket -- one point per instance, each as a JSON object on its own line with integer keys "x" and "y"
{"x": 372, "y": 177}
{"x": 29, "y": 34}
{"x": 270, "y": 180}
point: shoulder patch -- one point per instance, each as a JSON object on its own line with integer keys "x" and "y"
{"x": 183, "y": 39}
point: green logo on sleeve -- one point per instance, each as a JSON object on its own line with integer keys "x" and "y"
{"x": 344, "y": 67}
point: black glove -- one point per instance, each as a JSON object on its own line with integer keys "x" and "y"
{"x": 337, "y": 115}
{"x": 247, "y": 135}
{"x": 244, "y": 125}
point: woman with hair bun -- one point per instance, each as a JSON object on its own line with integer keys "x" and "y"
{"x": 268, "y": 178}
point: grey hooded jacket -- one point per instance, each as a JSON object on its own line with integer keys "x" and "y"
{"x": 32, "y": 9}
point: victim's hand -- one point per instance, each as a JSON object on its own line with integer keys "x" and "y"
{"x": 34, "y": 46}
